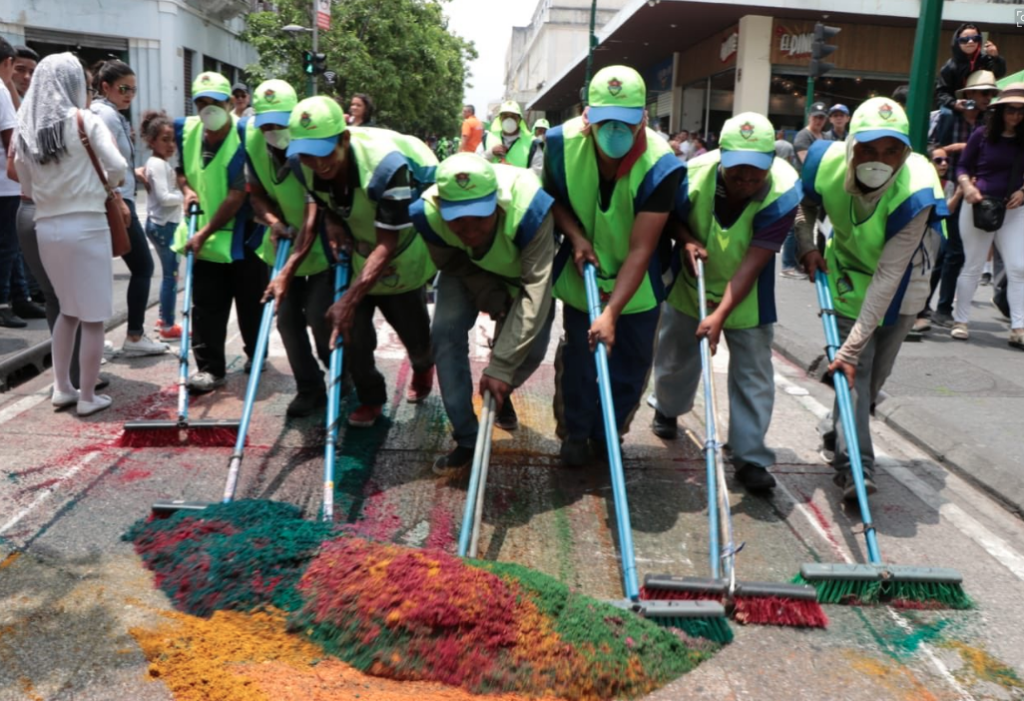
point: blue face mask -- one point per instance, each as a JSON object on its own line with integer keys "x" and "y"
{"x": 614, "y": 138}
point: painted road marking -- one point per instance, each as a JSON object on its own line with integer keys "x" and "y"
{"x": 49, "y": 491}
{"x": 24, "y": 404}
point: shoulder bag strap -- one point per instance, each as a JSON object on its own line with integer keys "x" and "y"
{"x": 92, "y": 155}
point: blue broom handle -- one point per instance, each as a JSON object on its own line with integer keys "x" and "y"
{"x": 253, "y": 386}
{"x": 710, "y": 432}
{"x": 611, "y": 437}
{"x": 341, "y": 273}
{"x": 186, "y": 322}
{"x": 472, "y": 492}
{"x": 846, "y": 415}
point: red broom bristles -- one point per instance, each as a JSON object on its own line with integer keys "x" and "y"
{"x": 754, "y": 610}
{"x": 200, "y": 437}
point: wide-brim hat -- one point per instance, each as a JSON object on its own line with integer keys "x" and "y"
{"x": 1011, "y": 94}
{"x": 979, "y": 80}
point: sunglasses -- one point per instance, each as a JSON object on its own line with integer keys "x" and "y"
{"x": 939, "y": 160}
{"x": 1011, "y": 109}
{"x": 969, "y": 40}
{"x": 127, "y": 89}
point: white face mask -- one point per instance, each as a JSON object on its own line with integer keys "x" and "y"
{"x": 873, "y": 174}
{"x": 213, "y": 117}
{"x": 509, "y": 125}
{"x": 278, "y": 138}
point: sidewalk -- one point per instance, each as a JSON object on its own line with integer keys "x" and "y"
{"x": 961, "y": 401}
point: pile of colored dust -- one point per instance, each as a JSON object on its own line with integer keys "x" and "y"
{"x": 237, "y": 657}
{"x": 411, "y": 614}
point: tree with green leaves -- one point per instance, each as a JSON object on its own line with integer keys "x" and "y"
{"x": 400, "y": 52}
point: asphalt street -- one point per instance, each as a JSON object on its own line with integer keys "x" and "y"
{"x": 70, "y": 589}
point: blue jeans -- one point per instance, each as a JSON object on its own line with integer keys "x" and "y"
{"x": 952, "y": 264}
{"x": 140, "y": 264}
{"x": 789, "y": 261}
{"x": 454, "y": 316}
{"x": 13, "y": 285}
{"x": 162, "y": 236}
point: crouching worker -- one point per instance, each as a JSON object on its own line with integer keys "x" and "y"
{"x": 733, "y": 211}
{"x": 490, "y": 231}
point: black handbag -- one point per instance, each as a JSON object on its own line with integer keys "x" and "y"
{"x": 990, "y": 212}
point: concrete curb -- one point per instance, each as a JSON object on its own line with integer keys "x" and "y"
{"x": 930, "y": 432}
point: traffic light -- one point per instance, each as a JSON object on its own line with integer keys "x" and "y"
{"x": 313, "y": 63}
{"x": 819, "y": 49}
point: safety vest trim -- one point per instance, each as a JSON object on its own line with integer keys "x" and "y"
{"x": 809, "y": 173}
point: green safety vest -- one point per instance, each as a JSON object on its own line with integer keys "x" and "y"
{"x": 211, "y": 184}
{"x": 290, "y": 197}
{"x": 377, "y": 157}
{"x": 568, "y": 150}
{"x": 519, "y": 154}
{"x": 422, "y": 161}
{"x": 853, "y": 250}
{"x": 727, "y": 247}
{"x": 522, "y": 207}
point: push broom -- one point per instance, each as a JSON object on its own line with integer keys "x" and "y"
{"x": 162, "y": 509}
{"x": 469, "y": 536}
{"x": 705, "y": 619}
{"x": 762, "y": 603}
{"x": 913, "y": 587}
{"x": 216, "y": 432}
{"x": 335, "y": 371}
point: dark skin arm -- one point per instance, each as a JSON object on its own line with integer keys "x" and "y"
{"x": 693, "y": 248}
{"x": 267, "y": 212}
{"x": 643, "y": 241}
{"x": 812, "y": 262}
{"x": 582, "y": 249}
{"x": 224, "y": 214}
{"x": 342, "y": 313}
{"x": 736, "y": 291}
{"x": 278, "y": 287}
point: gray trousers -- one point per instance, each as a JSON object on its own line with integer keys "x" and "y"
{"x": 873, "y": 369}
{"x": 677, "y": 373}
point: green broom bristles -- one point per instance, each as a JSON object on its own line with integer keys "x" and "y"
{"x": 715, "y": 629}
{"x": 844, "y": 591}
{"x": 902, "y": 593}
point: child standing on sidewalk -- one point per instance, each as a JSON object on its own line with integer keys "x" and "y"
{"x": 164, "y": 209}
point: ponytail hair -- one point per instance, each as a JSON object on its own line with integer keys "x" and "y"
{"x": 153, "y": 123}
{"x": 108, "y": 71}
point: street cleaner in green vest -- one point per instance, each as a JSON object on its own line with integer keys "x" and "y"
{"x": 886, "y": 206}
{"x": 508, "y": 140}
{"x": 304, "y": 290}
{"x": 361, "y": 180}
{"x": 734, "y": 209}
{"x": 614, "y": 182}
{"x": 491, "y": 233}
{"x": 226, "y": 268}
{"x": 540, "y": 131}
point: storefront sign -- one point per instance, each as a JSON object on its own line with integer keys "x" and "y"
{"x": 794, "y": 44}
{"x": 729, "y": 47}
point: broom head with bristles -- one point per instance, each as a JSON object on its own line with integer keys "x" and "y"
{"x": 902, "y": 586}
{"x": 172, "y": 434}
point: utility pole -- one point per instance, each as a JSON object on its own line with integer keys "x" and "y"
{"x": 316, "y": 40}
{"x": 922, "y": 72}
{"x": 592, "y": 42}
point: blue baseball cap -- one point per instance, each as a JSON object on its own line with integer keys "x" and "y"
{"x": 839, "y": 108}
{"x": 211, "y": 85}
{"x": 880, "y": 117}
{"x": 273, "y": 103}
{"x": 616, "y": 93}
{"x": 467, "y": 186}
{"x": 747, "y": 139}
{"x": 315, "y": 125}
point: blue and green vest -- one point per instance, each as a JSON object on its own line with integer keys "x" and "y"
{"x": 608, "y": 230}
{"x": 854, "y": 248}
{"x": 518, "y": 154}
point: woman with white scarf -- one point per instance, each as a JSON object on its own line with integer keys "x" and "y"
{"x": 74, "y": 240}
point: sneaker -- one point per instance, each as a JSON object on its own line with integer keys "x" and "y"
{"x": 921, "y": 325}
{"x": 666, "y": 427}
{"x": 793, "y": 274}
{"x": 453, "y": 463}
{"x": 1017, "y": 338}
{"x": 248, "y": 366}
{"x": 575, "y": 453}
{"x": 827, "y": 449}
{"x": 419, "y": 388}
{"x": 170, "y": 333}
{"x": 62, "y": 400}
{"x": 203, "y": 382}
{"x": 960, "y": 331}
{"x": 507, "y": 419}
{"x": 943, "y": 320}
{"x": 306, "y": 403}
{"x": 755, "y": 478}
{"x": 27, "y": 309}
{"x": 365, "y": 415}
{"x": 9, "y": 319}
{"x": 159, "y": 324}
{"x": 144, "y": 346}
{"x": 98, "y": 403}
{"x": 986, "y": 279}
{"x": 850, "y": 489}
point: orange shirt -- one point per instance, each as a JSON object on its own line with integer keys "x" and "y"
{"x": 472, "y": 134}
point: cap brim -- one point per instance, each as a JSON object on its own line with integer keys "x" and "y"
{"x": 278, "y": 118}
{"x": 819, "y": 113}
{"x": 629, "y": 115}
{"x": 480, "y": 207}
{"x": 875, "y": 134}
{"x": 213, "y": 95}
{"x": 756, "y": 159}
{"x": 984, "y": 88}
{"x": 312, "y": 147}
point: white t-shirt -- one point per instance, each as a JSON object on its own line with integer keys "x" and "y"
{"x": 8, "y": 120}
{"x": 164, "y": 202}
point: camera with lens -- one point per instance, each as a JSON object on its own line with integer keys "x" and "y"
{"x": 970, "y": 105}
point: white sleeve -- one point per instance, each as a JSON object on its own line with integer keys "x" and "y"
{"x": 24, "y": 172}
{"x": 537, "y": 164}
{"x": 106, "y": 148}
{"x": 165, "y": 192}
{"x": 8, "y": 115}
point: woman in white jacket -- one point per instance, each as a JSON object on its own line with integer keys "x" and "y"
{"x": 74, "y": 239}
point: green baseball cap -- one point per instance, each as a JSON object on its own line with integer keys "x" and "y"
{"x": 541, "y": 124}
{"x": 617, "y": 93}
{"x": 748, "y": 139}
{"x": 212, "y": 85}
{"x": 511, "y": 107}
{"x": 880, "y": 117}
{"x": 273, "y": 102}
{"x": 467, "y": 186}
{"x": 315, "y": 125}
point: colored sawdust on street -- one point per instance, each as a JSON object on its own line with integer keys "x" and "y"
{"x": 405, "y": 613}
{"x": 896, "y": 680}
{"x": 982, "y": 666}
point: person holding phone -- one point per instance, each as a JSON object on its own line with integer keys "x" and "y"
{"x": 971, "y": 52}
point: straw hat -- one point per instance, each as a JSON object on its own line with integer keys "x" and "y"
{"x": 1012, "y": 93}
{"x": 979, "y": 80}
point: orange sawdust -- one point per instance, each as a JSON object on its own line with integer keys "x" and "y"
{"x": 251, "y": 657}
